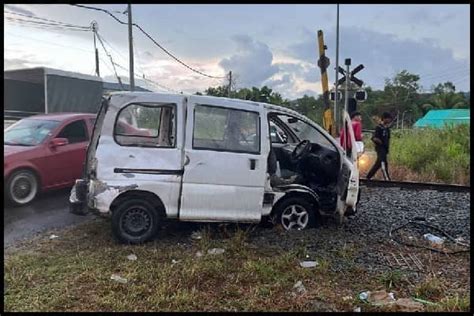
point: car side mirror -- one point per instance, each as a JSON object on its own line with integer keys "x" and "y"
{"x": 57, "y": 142}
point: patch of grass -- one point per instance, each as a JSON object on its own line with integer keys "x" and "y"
{"x": 391, "y": 279}
{"x": 72, "y": 273}
{"x": 456, "y": 303}
{"x": 430, "y": 289}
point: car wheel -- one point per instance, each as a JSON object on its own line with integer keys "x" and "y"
{"x": 22, "y": 187}
{"x": 295, "y": 213}
{"x": 135, "y": 221}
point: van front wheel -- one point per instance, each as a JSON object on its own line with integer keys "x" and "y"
{"x": 135, "y": 221}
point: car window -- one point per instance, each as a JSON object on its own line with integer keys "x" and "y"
{"x": 146, "y": 125}
{"x": 75, "y": 132}
{"x": 305, "y": 131}
{"x": 226, "y": 129}
{"x": 29, "y": 132}
{"x": 277, "y": 135}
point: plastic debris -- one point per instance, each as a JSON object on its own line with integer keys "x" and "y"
{"x": 434, "y": 239}
{"x": 357, "y": 309}
{"x": 196, "y": 235}
{"x": 363, "y": 296}
{"x": 132, "y": 257}
{"x": 380, "y": 297}
{"x": 308, "y": 264}
{"x": 216, "y": 251}
{"x": 174, "y": 261}
{"x": 423, "y": 301}
{"x": 408, "y": 305}
{"x": 199, "y": 254}
{"x": 118, "y": 278}
{"x": 53, "y": 236}
{"x": 299, "y": 287}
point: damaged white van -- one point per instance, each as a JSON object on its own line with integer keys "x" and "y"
{"x": 155, "y": 157}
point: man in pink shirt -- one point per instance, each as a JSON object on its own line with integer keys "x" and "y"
{"x": 356, "y": 119}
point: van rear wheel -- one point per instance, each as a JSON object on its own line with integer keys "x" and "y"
{"x": 135, "y": 221}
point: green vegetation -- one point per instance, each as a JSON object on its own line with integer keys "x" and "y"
{"x": 440, "y": 154}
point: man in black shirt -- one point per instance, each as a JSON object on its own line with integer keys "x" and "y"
{"x": 381, "y": 138}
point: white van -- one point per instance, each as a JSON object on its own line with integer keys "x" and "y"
{"x": 209, "y": 159}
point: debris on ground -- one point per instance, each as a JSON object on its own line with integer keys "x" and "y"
{"x": 199, "y": 254}
{"x": 53, "y": 236}
{"x": 299, "y": 287}
{"x": 434, "y": 239}
{"x": 196, "y": 236}
{"x": 408, "y": 305}
{"x": 174, "y": 261}
{"x": 118, "y": 278}
{"x": 308, "y": 264}
{"x": 357, "y": 309}
{"x": 132, "y": 257}
{"x": 384, "y": 299}
{"x": 347, "y": 298}
{"x": 216, "y": 251}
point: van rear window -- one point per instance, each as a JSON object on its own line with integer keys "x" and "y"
{"x": 146, "y": 125}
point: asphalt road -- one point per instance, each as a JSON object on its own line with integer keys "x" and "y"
{"x": 48, "y": 211}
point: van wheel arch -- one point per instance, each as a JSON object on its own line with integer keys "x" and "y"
{"x": 150, "y": 197}
{"x": 307, "y": 197}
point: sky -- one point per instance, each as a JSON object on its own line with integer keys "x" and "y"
{"x": 273, "y": 45}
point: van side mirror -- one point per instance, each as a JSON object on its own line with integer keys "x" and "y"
{"x": 57, "y": 142}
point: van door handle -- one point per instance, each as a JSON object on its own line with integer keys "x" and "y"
{"x": 253, "y": 163}
{"x": 186, "y": 160}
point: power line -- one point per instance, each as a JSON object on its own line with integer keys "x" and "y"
{"x": 152, "y": 39}
{"x": 46, "y": 26}
{"x": 47, "y": 20}
{"x": 111, "y": 59}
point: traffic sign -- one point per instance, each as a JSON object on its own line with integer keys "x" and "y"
{"x": 332, "y": 96}
{"x": 360, "y": 95}
{"x": 352, "y": 78}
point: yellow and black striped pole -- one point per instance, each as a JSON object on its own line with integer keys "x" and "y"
{"x": 323, "y": 63}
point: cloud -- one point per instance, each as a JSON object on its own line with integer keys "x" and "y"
{"x": 253, "y": 61}
{"x": 383, "y": 55}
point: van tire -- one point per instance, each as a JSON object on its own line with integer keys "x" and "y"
{"x": 296, "y": 207}
{"x": 135, "y": 221}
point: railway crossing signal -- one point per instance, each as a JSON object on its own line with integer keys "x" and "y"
{"x": 352, "y": 78}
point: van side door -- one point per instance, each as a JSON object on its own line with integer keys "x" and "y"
{"x": 226, "y": 152}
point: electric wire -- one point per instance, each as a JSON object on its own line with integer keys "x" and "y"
{"x": 152, "y": 39}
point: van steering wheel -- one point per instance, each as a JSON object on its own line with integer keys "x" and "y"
{"x": 301, "y": 150}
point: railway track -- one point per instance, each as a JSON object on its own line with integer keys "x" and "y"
{"x": 408, "y": 185}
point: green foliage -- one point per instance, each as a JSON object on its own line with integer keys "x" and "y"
{"x": 442, "y": 152}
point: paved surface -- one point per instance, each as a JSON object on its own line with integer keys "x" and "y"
{"x": 48, "y": 211}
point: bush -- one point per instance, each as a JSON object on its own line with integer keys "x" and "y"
{"x": 445, "y": 153}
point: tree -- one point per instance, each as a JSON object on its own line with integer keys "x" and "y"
{"x": 445, "y": 97}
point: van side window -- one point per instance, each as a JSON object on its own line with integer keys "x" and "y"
{"x": 225, "y": 129}
{"x": 147, "y": 125}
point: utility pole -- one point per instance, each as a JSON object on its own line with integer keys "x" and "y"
{"x": 94, "y": 31}
{"x": 130, "y": 43}
{"x": 347, "y": 62}
{"x": 230, "y": 84}
{"x": 337, "y": 73}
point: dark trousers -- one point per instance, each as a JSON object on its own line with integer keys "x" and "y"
{"x": 380, "y": 162}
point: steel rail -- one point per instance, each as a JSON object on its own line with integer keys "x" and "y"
{"x": 416, "y": 185}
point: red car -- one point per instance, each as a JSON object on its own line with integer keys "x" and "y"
{"x": 44, "y": 152}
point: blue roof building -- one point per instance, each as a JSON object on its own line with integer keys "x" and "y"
{"x": 441, "y": 118}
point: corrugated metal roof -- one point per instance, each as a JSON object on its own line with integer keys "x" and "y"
{"x": 440, "y": 118}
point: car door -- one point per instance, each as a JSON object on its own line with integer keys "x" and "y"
{"x": 65, "y": 163}
{"x": 225, "y": 161}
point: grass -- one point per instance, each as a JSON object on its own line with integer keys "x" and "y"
{"x": 72, "y": 273}
{"x": 440, "y": 154}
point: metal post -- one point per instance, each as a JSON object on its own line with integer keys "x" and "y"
{"x": 94, "y": 30}
{"x": 337, "y": 72}
{"x": 348, "y": 77}
{"x": 230, "y": 83}
{"x": 130, "y": 43}
{"x": 45, "y": 92}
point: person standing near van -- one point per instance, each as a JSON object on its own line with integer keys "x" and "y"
{"x": 381, "y": 139}
{"x": 356, "y": 120}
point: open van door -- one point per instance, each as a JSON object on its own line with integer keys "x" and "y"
{"x": 347, "y": 202}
